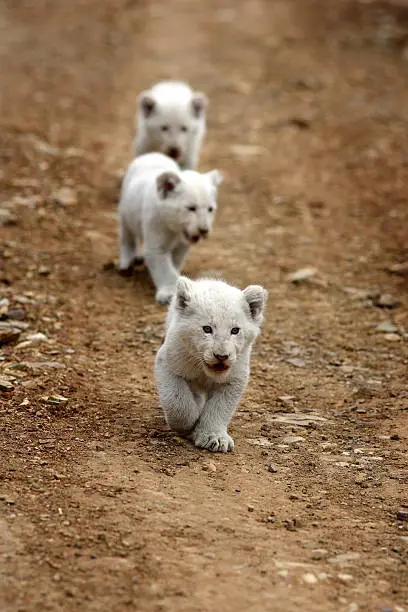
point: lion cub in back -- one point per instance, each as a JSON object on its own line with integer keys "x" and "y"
{"x": 203, "y": 366}
{"x": 167, "y": 210}
{"x": 172, "y": 120}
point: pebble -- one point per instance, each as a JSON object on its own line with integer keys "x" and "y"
{"x": 399, "y": 268}
{"x": 319, "y": 553}
{"x": 209, "y": 467}
{"x": 9, "y": 334}
{"x": 303, "y": 274}
{"x": 65, "y": 196}
{"x": 272, "y": 468}
{"x": 386, "y": 301}
{"x": 18, "y": 314}
{"x": 251, "y": 508}
{"x": 345, "y": 558}
{"x": 6, "y": 385}
{"x": 392, "y": 337}
{"x": 260, "y": 442}
{"x": 345, "y": 577}
{"x": 309, "y": 578}
{"x": 292, "y": 439}
{"x": 54, "y": 399}
{"x": 402, "y": 515}
{"x": 283, "y": 573}
{"x": 296, "y": 361}
{"x": 386, "y": 327}
{"x": 298, "y": 419}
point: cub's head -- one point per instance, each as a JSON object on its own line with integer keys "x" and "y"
{"x": 216, "y": 323}
{"x": 172, "y": 123}
{"x": 188, "y": 202}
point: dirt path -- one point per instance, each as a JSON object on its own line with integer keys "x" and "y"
{"x": 101, "y": 507}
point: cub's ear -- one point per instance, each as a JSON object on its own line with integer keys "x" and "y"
{"x": 256, "y": 297}
{"x": 199, "y": 104}
{"x": 147, "y": 104}
{"x": 215, "y": 177}
{"x": 184, "y": 292}
{"x": 167, "y": 183}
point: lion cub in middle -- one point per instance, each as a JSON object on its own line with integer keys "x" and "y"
{"x": 168, "y": 210}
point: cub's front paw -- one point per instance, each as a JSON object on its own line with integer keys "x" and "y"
{"x": 215, "y": 442}
{"x": 164, "y": 295}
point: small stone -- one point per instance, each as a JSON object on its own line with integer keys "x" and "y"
{"x": 7, "y": 219}
{"x": 319, "y": 553}
{"x": 345, "y": 558}
{"x": 264, "y": 442}
{"x": 392, "y": 337}
{"x": 395, "y": 437}
{"x": 6, "y": 385}
{"x": 345, "y": 577}
{"x": 17, "y": 314}
{"x": 309, "y": 578}
{"x": 65, "y": 197}
{"x": 8, "y": 335}
{"x": 209, "y": 467}
{"x": 386, "y": 301}
{"x": 303, "y": 274}
{"x": 43, "y": 271}
{"x": 292, "y": 439}
{"x": 402, "y": 515}
{"x": 386, "y": 327}
{"x": 54, "y": 399}
{"x": 286, "y": 399}
{"x": 272, "y": 468}
{"x": 296, "y": 361}
{"x": 399, "y": 268}
{"x": 251, "y": 508}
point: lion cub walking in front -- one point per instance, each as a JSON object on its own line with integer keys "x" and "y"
{"x": 167, "y": 210}
{"x": 203, "y": 366}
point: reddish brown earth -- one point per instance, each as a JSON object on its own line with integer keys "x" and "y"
{"x": 102, "y": 507}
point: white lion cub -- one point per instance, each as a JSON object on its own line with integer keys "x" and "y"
{"x": 167, "y": 210}
{"x": 202, "y": 368}
{"x": 171, "y": 120}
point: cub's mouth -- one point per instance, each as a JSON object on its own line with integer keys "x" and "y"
{"x": 174, "y": 153}
{"x": 218, "y": 367}
{"x": 193, "y": 239}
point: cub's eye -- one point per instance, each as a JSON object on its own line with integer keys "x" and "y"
{"x": 210, "y": 208}
{"x": 164, "y": 128}
{"x": 207, "y": 329}
{"x": 235, "y": 331}
{"x": 184, "y": 128}
{"x": 192, "y": 208}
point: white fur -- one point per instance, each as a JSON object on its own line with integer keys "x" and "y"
{"x": 198, "y": 401}
{"x": 167, "y": 210}
{"x": 171, "y": 120}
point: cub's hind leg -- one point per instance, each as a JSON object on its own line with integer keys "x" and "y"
{"x": 130, "y": 250}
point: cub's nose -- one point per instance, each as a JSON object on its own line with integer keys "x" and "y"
{"x": 221, "y": 357}
{"x": 203, "y": 232}
{"x": 173, "y": 152}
